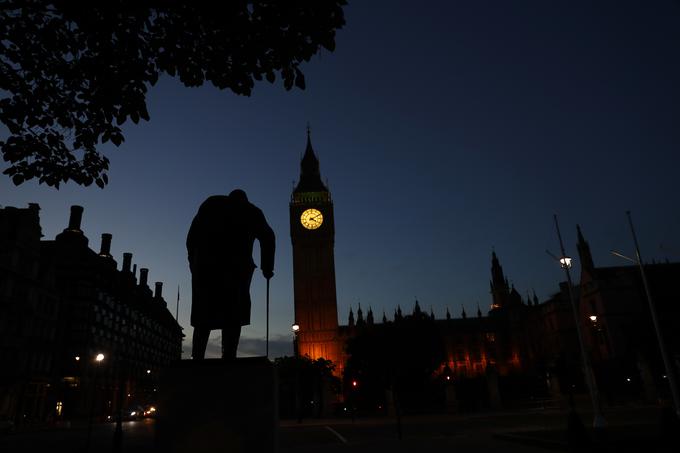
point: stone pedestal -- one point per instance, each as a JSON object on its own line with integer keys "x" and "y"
{"x": 217, "y": 405}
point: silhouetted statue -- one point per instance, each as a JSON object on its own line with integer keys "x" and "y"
{"x": 220, "y": 247}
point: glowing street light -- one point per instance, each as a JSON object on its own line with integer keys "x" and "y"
{"x": 593, "y": 318}
{"x": 77, "y": 358}
{"x": 296, "y": 330}
{"x": 565, "y": 263}
{"x": 148, "y": 371}
{"x": 99, "y": 357}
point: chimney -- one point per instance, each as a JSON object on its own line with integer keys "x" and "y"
{"x": 134, "y": 270}
{"x": 105, "y": 249}
{"x": 127, "y": 261}
{"x": 143, "y": 276}
{"x": 75, "y": 219}
{"x": 159, "y": 290}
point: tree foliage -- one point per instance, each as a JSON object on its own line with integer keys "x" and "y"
{"x": 301, "y": 383}
{"x": 71, "y": 75}
{"x": 401, "y": 356}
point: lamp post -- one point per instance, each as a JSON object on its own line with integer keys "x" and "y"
{"x": 99, "y": 358}
{"x": 565, "y": 263}
{"x": 296, "y": 330}
{"x": 668, "y": 365}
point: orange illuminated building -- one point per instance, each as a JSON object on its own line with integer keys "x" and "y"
{"x": 312, "y": 232}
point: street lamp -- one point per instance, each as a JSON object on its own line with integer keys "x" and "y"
{"x": 565, "y": 262}
{"x": 668, "y": 365}
{"x": 593, "y": 318}
{"x": 296, "y": 329}
{"x": 99, "y": 358}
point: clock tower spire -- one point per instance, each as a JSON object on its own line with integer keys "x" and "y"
{"x": 310, "y": 176}
{"x": 312, "y": 232}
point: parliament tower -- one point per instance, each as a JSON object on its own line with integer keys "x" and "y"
{"x": 312, "y": 232}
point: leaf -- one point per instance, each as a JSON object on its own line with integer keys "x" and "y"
{"x": 299, "y": 79}
{"x": 288, "y": 83}
{"x": 117, "y": 138}
{"x": 143, "y": 113}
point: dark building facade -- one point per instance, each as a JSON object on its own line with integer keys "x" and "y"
{"x": 29, "y": 315}
{"x": 84, "y": 306}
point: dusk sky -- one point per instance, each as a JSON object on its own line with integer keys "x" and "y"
{"x": 443, "y": 130}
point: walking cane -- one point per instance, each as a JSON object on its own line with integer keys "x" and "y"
{"x": 267, "y": 342}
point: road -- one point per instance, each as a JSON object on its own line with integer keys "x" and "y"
{"x": 420, "y": 434}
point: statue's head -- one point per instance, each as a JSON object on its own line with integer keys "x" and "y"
{"x": 238, "y": 195}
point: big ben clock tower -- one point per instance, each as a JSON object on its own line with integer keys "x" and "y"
{"x": 312, "y": 231}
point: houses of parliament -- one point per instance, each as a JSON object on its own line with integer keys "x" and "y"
{"x": 518, "y": 336}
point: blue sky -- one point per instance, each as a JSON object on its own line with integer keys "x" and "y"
{"x": 443, "y": 130}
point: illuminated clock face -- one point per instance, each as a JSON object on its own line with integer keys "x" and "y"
{"x": 311, "y": 219}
